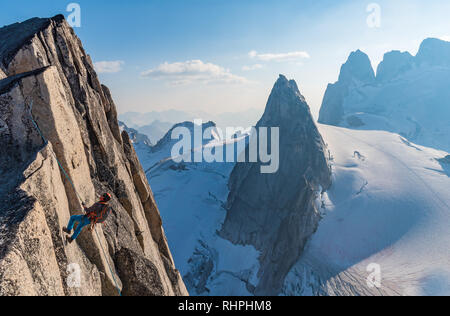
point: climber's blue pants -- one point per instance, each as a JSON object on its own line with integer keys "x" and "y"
{"x": 82, "y": 221}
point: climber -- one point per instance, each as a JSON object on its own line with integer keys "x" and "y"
{"x": 96, "y": 214}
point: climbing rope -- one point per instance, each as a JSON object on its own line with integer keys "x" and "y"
{"x": 110, "y": 269}
{"x": 45, "y": 142}
{"x": 75, "y": 190}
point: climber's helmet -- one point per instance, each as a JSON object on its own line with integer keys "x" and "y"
{"x": 105, "y": 197}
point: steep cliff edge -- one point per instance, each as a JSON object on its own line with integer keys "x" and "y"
{"x": 42, "y": 61}
{"x": 277, "y": 213}
{"x": 356, "y": 71}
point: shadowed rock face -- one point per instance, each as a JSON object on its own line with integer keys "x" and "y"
{"x": 141, "y": 275}
{"x": 394, "y": 63}
{"x": 409, "y": 95}
{"x": 435, "y": 52}
{"x": 277, "y": 213}
{"x": 14, "y": 36}
{"x": 356, "y": 71}
{"x": 357, "y": 67}
{"x": 46, "y": 64}
{"x": 357, "y": 75}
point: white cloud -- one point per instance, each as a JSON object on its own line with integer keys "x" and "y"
{"x": 193, "y": 71}
{"x": 252, "y": 67}
{"x": 253, "y": 54}
{"x": 292, "y": 56}
{"x": 108, "y": 66}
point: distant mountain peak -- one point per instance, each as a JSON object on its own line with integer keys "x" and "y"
{"x": 285, "y": 102}
{"x": 167, "y": 139}
{"x": 409, "y": 95}
{"x": 434, "y": 52}
{"x": 263, "y": 208}
{"x": 358, "y": 66}
{"x": 393, "y": 64}
{"x": 135, "y": 137}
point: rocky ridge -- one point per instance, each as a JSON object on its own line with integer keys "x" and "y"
{"x": 43, "y": 62}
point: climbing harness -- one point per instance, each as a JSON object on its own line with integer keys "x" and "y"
{"x": 75, "y": 190}
{"x": 99, "y": 216}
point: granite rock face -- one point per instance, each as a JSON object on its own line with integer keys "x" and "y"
{"x": 409, "y": 95}
{"x": 278, "y": 212}
{"x": 355, "y": 72}
{"x": 394, "y": 64}
{"x": 43, "y": 62}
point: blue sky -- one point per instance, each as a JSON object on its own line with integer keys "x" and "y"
{"x": 224, "y": 55}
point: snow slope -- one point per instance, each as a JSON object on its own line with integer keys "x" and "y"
{"x": 190, "y": 197}
{"x": 389, "y": 205}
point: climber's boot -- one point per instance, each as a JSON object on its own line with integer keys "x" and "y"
{"x": 69, "y": 239}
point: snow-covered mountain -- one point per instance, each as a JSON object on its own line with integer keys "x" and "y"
{"x": 388, "y": 205}
{"x": 136, "y": 138}
{"x": 208, "y": 261}
{"x": 156, "y": 124}
{"x": 192, "y": 196}
{"x": 409, "y": 95}
{"x": 277, "y": 212}
{"x": 387, "y": 209}
{"x": 155, "y": 130}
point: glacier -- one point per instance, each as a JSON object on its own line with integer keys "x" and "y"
{"x": 192, "y": 197}
{"x": 389, "y": 205}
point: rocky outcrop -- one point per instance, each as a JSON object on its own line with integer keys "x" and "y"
{"x": 357, "y": 68}
{"x": 355, "y": 72}
{"x": 44, "y": 63}
{"x": 357, "y": 77}
{"x": 277, "y": 213}
{"x": 409, "y": 95}
{"x": 135, "y": 137}
{"x": 434, "y": 52}
{"x": 394, "y": 64}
